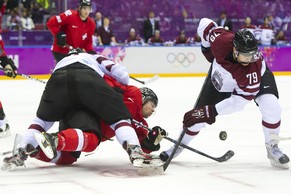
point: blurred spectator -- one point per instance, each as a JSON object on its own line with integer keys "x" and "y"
{"x": 165, "y": 23}
{"x": 105, "y": 34}
{"x": 11, "y": 4}
{"x": 224, "y": 21}
{"x": 156, "y": 39}
{"x": 26, "y": 21}
{"x": 266, "y": 33}
{"x": 27, "y": 4}
{"x": 196, "y": 40}
{"x": 133, "y": 39}
{"x": 280, "y": 38}
{"x": 149, "y": 26}
{"x": 98, "y": 20}
{"x": 45, "y": 4}
{"x": 178, "y": 19}
{"x": 37, "y": 13}
{"x": 181, "y": 39}
{"x": 271, "y": 22}
{"x": 248, "y": 25}
{"x": 2, "y": 10}
{"x": 13, "y": 20}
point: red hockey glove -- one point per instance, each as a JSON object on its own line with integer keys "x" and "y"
{"x": 200, "y": 115}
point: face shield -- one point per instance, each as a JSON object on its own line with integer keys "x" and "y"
{"x": 246, "y": 58}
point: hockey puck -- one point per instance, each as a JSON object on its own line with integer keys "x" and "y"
{"x": 222, "y": 135}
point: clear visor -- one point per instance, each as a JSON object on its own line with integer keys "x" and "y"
{"x": 248, "y": 57}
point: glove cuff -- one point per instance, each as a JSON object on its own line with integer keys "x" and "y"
{"x": 146, "y": 144}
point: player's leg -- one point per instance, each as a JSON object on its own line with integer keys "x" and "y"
{"x": 4, "y": 126}
{"x": 78, "y": 131}
{"x": 267, "y": 100}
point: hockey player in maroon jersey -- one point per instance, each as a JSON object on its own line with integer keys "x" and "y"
{"x": 72, "y": 29}
{"x": 10, "y": 70}
{"x": 238, "y": 74}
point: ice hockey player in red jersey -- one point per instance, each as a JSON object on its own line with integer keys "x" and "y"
{"x": 77, "y": 124}
{"x": 238, "y": 74}
{"x": 10, "y": 70}
{"x": 86, "y": 91}
{"x": 72, "y": 29}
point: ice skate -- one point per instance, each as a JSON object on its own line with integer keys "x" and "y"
{"x": 18, "y": 158}
{"x": 277, "y": 158}
{"x": 166, "y": 154}
{"x": 48, "y": 143}
{"x": 147, "y": 164}
{"x": 5, "y": 129}
{"x": 136, "y": 155}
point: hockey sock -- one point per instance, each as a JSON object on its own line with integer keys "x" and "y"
{"x": 2, "y": 114}
{"x": 124, "y": 132}
{"x": 63, "y": 158}
{"x": 76, "y": 140}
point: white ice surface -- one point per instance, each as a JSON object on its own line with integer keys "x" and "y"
{"x": 108, "y": 170}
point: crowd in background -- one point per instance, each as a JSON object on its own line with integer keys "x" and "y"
{"x": 153, "y": 22}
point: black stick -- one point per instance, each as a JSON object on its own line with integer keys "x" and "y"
{"x": 152, "y": 79}
{"x": 28, "y": 77}
{"x": 223, "y": 158}
{"x": 142, "y": 82}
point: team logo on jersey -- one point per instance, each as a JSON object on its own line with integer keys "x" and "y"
{"x": 84, "y": 36}
{"x": 217, "y": 80}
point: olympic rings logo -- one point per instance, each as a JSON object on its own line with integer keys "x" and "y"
{"x": 181, "y": 59}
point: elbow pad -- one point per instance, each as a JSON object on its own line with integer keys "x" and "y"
{"x": 119, "y": 73}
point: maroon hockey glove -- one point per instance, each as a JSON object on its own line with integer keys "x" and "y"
{"x": 200, "y": 115}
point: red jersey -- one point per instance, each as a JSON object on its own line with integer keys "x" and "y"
{"x": 132, "y": 98}
{"x": 79, "y": 33}
{"x": 2, "y": 51}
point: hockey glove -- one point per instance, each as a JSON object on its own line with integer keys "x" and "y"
{"x": 61, "y": 38}
{"x": 152, "y": 141}
{"x": 10, "y": 69}
{"x": 200, "y": 115}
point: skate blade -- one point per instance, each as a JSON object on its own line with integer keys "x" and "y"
{"x": 47, "y": 149}
{"x": 278, "y": 165}
{"x": 149, "y": 167}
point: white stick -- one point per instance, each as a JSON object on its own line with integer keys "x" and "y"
{"x": 154, "y": 78}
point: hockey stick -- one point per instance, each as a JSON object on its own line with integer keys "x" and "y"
{"x": 31, "y": 78}
{"x": 223, "y": 158}
{"x": 279, "y": 138}
{"x": 28, "y": 77}
{"x": 184, "y": 128}
{"x": 152, "y": 79}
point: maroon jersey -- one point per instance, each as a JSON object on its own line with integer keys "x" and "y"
{"x": 227, "y": 74}
{"x": 79, "y": 33}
